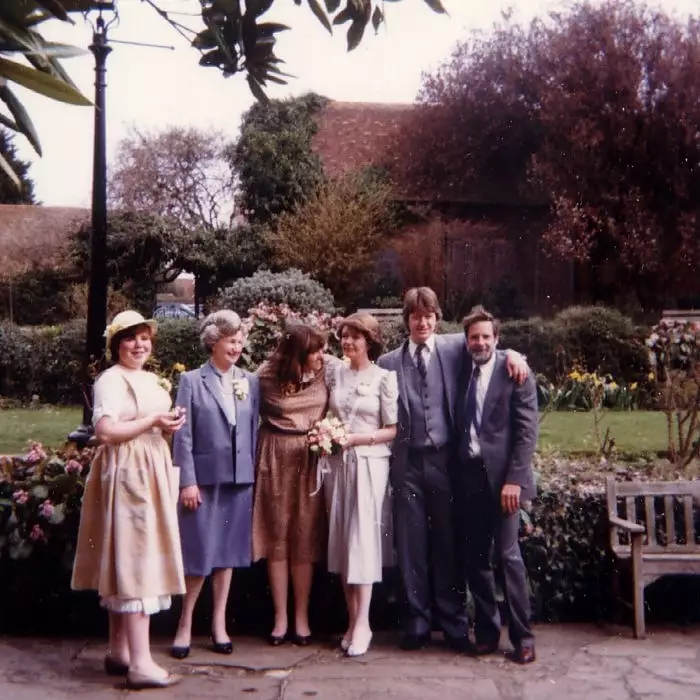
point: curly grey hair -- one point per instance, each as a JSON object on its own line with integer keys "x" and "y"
{"x": 218, "y": 325}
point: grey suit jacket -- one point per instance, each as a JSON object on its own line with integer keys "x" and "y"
{"x": 449, "y": 353}
{"x": 509, "y": 426}
{"x": 203, "y": 447}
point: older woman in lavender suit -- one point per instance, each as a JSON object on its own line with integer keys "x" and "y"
{"x": 215, "y": 451}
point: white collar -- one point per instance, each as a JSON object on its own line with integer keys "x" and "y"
{"x": 429, "y": 343}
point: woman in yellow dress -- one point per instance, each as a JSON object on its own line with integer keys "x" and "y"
{"x": 128, "y": 544}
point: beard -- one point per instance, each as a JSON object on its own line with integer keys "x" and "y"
{"x": 481, "y": 357}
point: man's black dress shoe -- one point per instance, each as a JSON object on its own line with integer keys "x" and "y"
{"x": 274, "y": 641}
{"x": 413, "y": 642}
{"x": 301, "y": 640}
{"x": 522, "y": 654}
{"x": 485, "y": 648}
{"x": 115, "y": 668}
{"x": 221, "y": 647}
{"x": 180, "y": 652}
{"x": 462, "y": 645}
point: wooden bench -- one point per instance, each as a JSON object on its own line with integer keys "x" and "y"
{"x": 653, "y": 525}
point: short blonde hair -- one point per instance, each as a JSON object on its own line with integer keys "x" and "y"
{"x": 218, "y": 325}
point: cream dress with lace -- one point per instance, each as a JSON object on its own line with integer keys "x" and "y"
{"x": 359, "y": 509}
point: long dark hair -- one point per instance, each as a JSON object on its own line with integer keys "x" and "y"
{"x": 293, "y": 350}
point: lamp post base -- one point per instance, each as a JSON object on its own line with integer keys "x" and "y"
{"x": 82, "y": 436}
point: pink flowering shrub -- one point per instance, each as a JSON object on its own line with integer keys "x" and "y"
{"x": 265, "y": 325}
{"x": 40, "y": 494}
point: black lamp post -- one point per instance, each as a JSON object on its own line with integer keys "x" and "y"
{"x": 98, "y": 279}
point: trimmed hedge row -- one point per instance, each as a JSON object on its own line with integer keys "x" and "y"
{"x": 46, "y": 361}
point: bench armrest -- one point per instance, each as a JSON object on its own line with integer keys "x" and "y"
{"x": 634, "y": 528}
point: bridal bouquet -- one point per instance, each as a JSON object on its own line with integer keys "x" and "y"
{"x": 328, "y": 436}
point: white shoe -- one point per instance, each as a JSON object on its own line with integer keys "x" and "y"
{"x": 360, "y": 643}
{"x": 345, "y": 643}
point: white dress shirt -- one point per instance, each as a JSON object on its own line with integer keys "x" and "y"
{"x": 486, "y": 371}
{"x": 226, "y": 388}
{"x": 428, "y": 351}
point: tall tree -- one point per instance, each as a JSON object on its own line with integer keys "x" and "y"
{"x": 596, "y": 108}
{"x": 9, "y": 192}
{"x": 334, "y": 235}
{"x": 182, "y": 174}
{"x": 144, "y": 250}
{"x": 179, "y": 173}
{"x": 276, "y": 167}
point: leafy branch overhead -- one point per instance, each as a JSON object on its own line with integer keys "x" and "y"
{"x": 22, "y": 43}
{"x": 237, "y": 38}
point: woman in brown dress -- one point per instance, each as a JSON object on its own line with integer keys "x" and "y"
{"x": 289, "y": 523}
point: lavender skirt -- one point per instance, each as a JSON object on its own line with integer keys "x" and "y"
{"x": 218, "y": 534}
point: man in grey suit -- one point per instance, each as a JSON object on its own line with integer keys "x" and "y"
{"x": 498, "y": 423}
{"x": 428, "y": 367}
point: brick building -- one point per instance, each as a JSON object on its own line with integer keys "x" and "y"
{"x": 460, "y": 246}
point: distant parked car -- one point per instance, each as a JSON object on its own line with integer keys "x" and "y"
{"x": 171, "y": 309}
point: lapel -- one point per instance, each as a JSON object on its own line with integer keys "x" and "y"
{"x": 211, "y": 382}
{"x": 449, "y": 385}
{"x": 495, "y": 388}
{"x": 401, "y": 375}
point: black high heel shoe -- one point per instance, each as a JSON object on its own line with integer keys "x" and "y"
{"x": 180, "y": 652}
{"x": 276, "y": 641}
{"x": 301, "y": 640}
{"x": 221, "y": 647}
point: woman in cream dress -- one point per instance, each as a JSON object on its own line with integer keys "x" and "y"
{"x": 364, "y": 396}
{"x": 128, "y": 544}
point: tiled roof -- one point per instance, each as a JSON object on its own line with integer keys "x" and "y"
{"x": 35, "y": 236}
{"x": 353, "y": 135}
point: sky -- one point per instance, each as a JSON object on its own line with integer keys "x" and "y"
{"x": 152, "y": 89}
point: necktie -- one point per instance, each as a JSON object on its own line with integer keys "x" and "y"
{"x": 420, "y": 360}
{"x": 470, "y": 404}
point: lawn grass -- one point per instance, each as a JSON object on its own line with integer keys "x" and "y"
{"x": 634, "y": 431}
{"x": 46, "y": 425}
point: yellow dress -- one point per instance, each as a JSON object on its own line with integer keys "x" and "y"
{"x": 129, "y": 544}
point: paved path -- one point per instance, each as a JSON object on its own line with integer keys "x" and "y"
{"x": 575, "y": 662}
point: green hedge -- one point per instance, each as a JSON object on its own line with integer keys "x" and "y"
{"x": 564, "y": 543}
{"x": 598, "y": 338}
{"x": 46, "y": 361}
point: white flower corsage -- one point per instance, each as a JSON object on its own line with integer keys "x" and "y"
{"x": 241, "y": 388}
{"x": 362, "y": 389}
{"x": 164, "y": 383}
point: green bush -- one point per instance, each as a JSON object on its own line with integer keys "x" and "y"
{"x": 595, "y": 338}
{"x": 38, "y": 296}
{"x": 295, "y": 289}
{"x": 43, "y": 361}
{"x": 178, "y": 342}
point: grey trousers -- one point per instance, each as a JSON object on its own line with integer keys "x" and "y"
{"x": 424, "y": 528}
